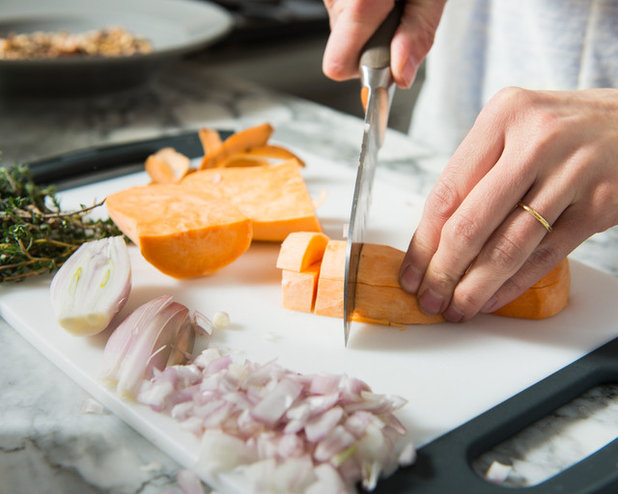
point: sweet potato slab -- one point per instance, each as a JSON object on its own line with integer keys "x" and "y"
{"x": 380, "y": 298}
{"x": 275, "y": 197}
{"x": 182, "y": 233}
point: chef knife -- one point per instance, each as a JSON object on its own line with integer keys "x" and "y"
{"x": 105, "y": 161}
{"x": 376, "y": 91}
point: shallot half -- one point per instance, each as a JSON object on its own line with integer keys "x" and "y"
{"x": 92, "y": 286}
{"x": 159, "y": 333}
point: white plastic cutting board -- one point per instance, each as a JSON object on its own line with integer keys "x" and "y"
{"x": 448, "y": 373}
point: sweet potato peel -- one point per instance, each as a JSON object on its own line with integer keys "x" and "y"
{"x": 379, "y": 297}
{"x": 245, "y": 148}
{"x": 239, "y": 142}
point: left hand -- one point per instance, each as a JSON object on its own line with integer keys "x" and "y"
{"x": 557, "y": 151}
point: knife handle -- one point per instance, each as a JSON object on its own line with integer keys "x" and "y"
{"x": 376, "y": 53}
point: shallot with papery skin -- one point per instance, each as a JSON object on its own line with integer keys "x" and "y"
{"x": 92, "y": 286}
{"x": 159, "y": 333}
{"x": 268, "y": 429}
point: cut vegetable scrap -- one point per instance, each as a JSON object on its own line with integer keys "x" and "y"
{"x": 181, "y": 232}
{"x": 167, "y": 166}
{"x": 239, "y": 142}
{"x": 248, "y": 147}
{"x": 210, "y": 139}
{"x": 275, "y": 197}
{"x": 379, "y": 296}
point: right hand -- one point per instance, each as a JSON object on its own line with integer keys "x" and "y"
{"x": 352, "y": 23}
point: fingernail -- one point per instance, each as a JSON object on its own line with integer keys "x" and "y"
{"x": 408, "y": 72}
{"x": 410, "y": 279}
{"x": 430, "y": 302}
{"x": 453, "y": 314}
{"x": 490, "y": 304}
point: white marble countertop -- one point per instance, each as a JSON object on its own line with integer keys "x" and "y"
{"x": 54, "y": 438}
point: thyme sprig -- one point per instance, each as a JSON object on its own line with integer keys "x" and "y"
{"x": 36, "y": 236}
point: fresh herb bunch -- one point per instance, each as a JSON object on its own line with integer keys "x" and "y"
{"x": 36, "y": 237}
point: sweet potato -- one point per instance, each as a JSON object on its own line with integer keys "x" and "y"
{"x": 182, "y": 233}
{"x": 545, "y": 298}
{"x": 210, "y": 139}
{"x": 298, "y": 288}
{"x": 299, "y": 250}
{"x": 167, "y": 166}
{"x": 379, "y": 297}
{"x": 238, "y": 142}
{"x": 381, "y": 300}
{"x": 275, "y": 197}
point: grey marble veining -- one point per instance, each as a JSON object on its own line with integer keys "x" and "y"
{"x": 49, "y": 442}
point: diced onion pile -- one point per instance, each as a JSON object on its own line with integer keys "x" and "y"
{"x": 284, "y": 431}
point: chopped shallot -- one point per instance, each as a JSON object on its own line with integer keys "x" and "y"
{"x": 277, "y": 430}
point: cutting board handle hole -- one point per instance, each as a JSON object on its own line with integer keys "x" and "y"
{"x": 515, "y": 462}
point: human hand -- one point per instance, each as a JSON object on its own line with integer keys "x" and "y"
{"x": 353, "y": 22}
{"x": 557, "y": 151}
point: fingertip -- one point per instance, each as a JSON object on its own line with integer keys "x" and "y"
{"x": 410, "y": 278}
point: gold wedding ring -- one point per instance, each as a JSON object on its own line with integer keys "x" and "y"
{"x": 534, "y": 213}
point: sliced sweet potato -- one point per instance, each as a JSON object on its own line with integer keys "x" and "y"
{"x": 545, "y": 298}
{"x": 329, "y": 297}
{"x": 379, "y": 297}
{"x": 182, "y": 233}
{"x": 239, "y": 142}
{"x": 298, "y": 288}
{"x": 299, "y": 250}
{"x": 167, "y": 166}
{"x": 381, "y": 300}
{"x": 275, "y": 197}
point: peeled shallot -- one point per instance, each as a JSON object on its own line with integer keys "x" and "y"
{"x": 92, "y": 286}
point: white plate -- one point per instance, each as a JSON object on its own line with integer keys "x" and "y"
{"x": 173, "y": 27}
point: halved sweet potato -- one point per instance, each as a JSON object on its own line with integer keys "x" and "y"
{"x": 545, "y": 298}
{"x": 182, "y": 233}
{"x": 275, "y": 197}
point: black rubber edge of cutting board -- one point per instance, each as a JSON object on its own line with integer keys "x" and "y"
{"x": 444, "y": 466}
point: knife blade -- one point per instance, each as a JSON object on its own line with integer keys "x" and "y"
{"x": 376, "y": 91}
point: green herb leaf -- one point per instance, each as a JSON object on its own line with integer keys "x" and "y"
{"x": 36, "y": 237}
